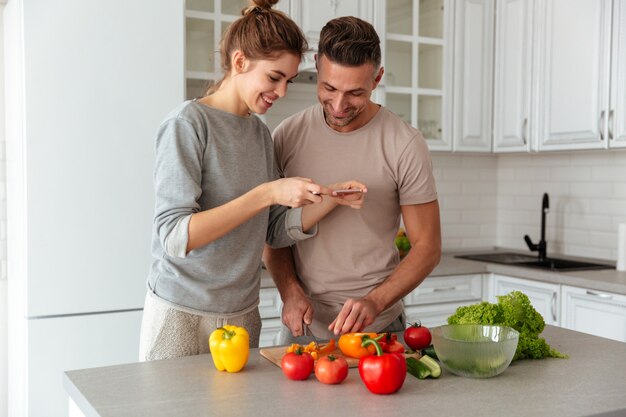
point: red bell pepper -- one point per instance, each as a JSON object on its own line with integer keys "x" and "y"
{"x": 389, "y": 343}
{"x": 383, "y": 373}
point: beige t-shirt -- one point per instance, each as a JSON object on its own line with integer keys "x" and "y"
{"x": 354, "y": 250}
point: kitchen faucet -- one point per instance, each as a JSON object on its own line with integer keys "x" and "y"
{"x": 542, "y": 246}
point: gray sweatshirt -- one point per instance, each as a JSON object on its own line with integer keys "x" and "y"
{"x": 205, "y": 158}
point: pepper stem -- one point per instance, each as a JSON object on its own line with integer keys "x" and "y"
{"x": 228, "y": 334}
{"x": 373, "y": 341}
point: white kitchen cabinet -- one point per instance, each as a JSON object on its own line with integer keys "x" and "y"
{"x": 512, "y": 75}
{"x": 572, "y": 73}
{"x": 416, "y": 38}
{"x": 595, "y": 312}
{"x": 438, "y": 297}
{"x": 311, "y": 16}
{"x": 66, "y": 343}
{"x": 544, "y": 297}
{"x": 270, "y": 307}
{"x": 205, "y": 21}
{"x": 554, "y": 87}
{"x": 617, "y": 114}
{"x": 473, "y": 63}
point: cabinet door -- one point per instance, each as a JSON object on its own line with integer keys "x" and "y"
{"x": 269, "y": 332}
{"x": 311, "y": 16}
{"x": 445, "y": 289}
{"x": 544, "y": 297}
{"x": 473, "y": 61}
{"x": 512, "y": 76}
{"x": 434, "y": 314}
{"x": 573, "y": 45}
{"x": 617, "y": 114}
{"x": 66, "y": 343}
{"x": 594, "y": 312}
{"x": 417, "y": 55}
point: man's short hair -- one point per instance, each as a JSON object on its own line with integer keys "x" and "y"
{"x": 350, "y": 41}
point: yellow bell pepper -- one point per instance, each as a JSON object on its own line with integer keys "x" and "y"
{"x": 230, "y": 348}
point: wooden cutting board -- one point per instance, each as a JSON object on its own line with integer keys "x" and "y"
{"x": 275, "y": 355}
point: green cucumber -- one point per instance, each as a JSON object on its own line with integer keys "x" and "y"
{"x": 423, "y": 368}
{"x": 430, "y": 351}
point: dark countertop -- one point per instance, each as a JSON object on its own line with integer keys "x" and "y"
{"x": 592, "y": 381}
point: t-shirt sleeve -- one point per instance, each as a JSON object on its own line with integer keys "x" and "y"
{"x": 416, "y": 182}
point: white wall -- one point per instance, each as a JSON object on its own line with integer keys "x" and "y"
{"x": 467, "y": 187}
{"x": 3, "y": 236}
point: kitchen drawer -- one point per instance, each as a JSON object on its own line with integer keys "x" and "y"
{"x": 269, "y": 332}
{"x": 432, "y": 315}
{"x": 599, "y": 313}
{"x": 270, "y": 303}
{"x": 446, "y": 289}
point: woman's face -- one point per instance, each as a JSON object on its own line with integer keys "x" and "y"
{"x": 264, "y": 81}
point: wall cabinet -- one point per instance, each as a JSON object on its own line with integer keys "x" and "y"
{"x": 311, "y": 16}
{"x": 544, "y": 297}
{"x": 473, "y": 63}
{"x": 553, "y": 87}
{"x": 617, "y": 111}
{"x": 512, "y": 75}
{"x": 417, "y": 55}
{"x": 205, "y": 21}
{"x": 572, "y": 73}
{"x": 595, "y": 312}
{"x": 437, "y": 298}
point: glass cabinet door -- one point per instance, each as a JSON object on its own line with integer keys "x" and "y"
{"x": 415, "y": 58}
{"x": 205, "y": 21}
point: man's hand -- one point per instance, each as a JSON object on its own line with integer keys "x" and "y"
{"x": 297, "y": 310}
{"x": 355, "y": 315}
{"x": 354, "y": 200}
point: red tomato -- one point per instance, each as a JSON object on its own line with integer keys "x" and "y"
{"x": 331, "y": 370}
{"x": 417, "y": 337}
{"x": 297, "y": 365}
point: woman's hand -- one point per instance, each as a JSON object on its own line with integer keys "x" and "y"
{"x": 297, "y": 192}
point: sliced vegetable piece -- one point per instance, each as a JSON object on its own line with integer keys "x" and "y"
{"x": 423, "y": 368}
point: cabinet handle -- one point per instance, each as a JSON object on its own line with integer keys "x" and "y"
{"x": 444, "y": 289}
{"x": 601, "y": 125}
{"x": 601, "y": 295}
{"x": 524, "y": 128}
{"x": 554, "y": 307}
{"x": 610, "y": 124}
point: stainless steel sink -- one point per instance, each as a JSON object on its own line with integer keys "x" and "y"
{"x": 517, "y": 259}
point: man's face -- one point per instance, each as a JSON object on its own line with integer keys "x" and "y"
{"x": 344, "y": 92}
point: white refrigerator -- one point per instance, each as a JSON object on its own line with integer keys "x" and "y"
{"x": 87, "y": 83}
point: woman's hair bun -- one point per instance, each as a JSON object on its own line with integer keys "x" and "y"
{"x": 259, "y": 4}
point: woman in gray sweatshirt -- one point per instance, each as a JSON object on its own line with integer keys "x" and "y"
{"x": 219, "y": 197}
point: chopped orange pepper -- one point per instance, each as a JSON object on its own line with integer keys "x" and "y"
{"x": 327, "y": 348}
{"x": 313, "y": 348}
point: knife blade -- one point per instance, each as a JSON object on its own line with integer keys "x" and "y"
{"x": 308, "y": 333}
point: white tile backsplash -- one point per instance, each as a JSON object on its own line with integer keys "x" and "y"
{"x": 587, "y": 193}
{"x": 494, "y": 200}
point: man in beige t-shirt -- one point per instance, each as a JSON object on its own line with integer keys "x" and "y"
{"x": 349, "y": 277}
